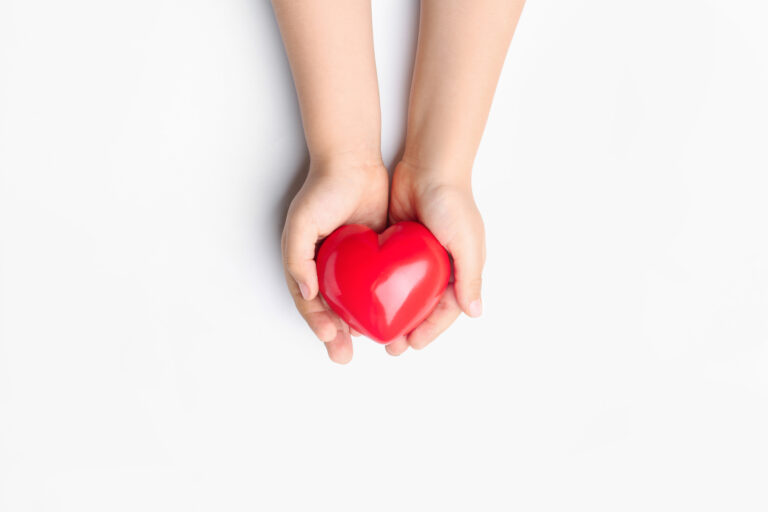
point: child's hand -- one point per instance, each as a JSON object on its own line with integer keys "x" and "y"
{"x": 334, "y": 194}
{"x": 461, "y": 49}
{"x": 446, "y": 206}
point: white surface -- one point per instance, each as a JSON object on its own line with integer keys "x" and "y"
{"x": 150, "y": 358}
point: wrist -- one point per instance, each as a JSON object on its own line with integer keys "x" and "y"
{"x": 345, "y": 160}
{"x": 436, "y": 170}
{"x": 435, "y": 141}
{"x": 337, "y": 140}
{"x": 426, "y": 181}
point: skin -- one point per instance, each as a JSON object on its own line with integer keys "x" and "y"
{"x": 461, "y": 50}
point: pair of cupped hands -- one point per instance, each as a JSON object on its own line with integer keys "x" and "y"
{"x": 349, "y": 189}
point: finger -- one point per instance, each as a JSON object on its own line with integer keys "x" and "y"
{"x": 445, "y": 313}
{"x": 341, "y": 325}
{"x": 397, "y": 347}
{"x": 340, "y": 348}
{"x": 322, "y": 324}
{"x": 353, "y": 332}
{"x": 298, "y": 244}
{"x": 317, "y": 316}
{"x": 468, "y": 252}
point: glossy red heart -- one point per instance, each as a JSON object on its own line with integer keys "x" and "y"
{"x": 383, "y": 285}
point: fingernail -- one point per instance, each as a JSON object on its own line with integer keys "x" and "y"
{"x": 304, "y": 289}
{"x": 476, "y": 308}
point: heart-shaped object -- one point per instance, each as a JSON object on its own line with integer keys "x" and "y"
{"x": 383, "y": 285}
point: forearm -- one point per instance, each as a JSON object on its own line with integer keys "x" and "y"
{"x": 330, "y": 49}
{"x": 462, "y": 47}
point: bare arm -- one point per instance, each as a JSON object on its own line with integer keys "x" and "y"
{"x": 330, "y": 48}
{"x": 462, "y": 46}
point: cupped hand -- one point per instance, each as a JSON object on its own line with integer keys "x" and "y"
{"x": 445, "y": 205}
{"x": 335, "y": 193}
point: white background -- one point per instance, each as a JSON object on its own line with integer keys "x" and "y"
{"x": 150, "y": 358}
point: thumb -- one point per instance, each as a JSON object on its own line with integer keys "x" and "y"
{"x": 468, "y": 252}
{"x": 298, "y": 244}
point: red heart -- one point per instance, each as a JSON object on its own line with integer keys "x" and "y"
{"x": 383, "y": 285}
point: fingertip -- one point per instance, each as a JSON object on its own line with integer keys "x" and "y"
{"x": 326, "y": 333}
{"x": 469, "y": 299}
{"x": 305, "y": 291}
{"x": 305, "y": 278}
{"x": 340, "y": 348}
{"x": 421, "y": 337}
{"x": 397, "y": 347}
{"x": 475, "y": 309}
{"x": 342, "y": 357}
{"x": 322, "y": 325}
{"x": 468, "y": 296}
